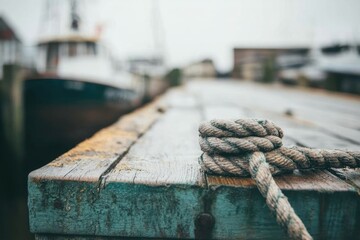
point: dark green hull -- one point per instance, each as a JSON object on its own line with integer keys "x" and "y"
{"x": 60, "y": 113}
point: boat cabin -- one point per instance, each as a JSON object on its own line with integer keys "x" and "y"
{"x": 52, "y": 51}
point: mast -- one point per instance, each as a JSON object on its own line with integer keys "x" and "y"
{"x": 75, "y": 18}
{"x": 158, "y": 33}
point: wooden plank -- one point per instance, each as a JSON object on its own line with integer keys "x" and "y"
{"x": 297, "y": 132}
{"x": 179, "y": 97}
{"x": 155, "y": 190}
{"x": 308, "y": 105}
{"x": 320, "y": 109}
{"x": 158, "y": 190}
{"x": 316, "y": 138}
{"x": 352, "y": 176}
{"x": 241, "y": 213}
{"x": 83, "y": 237}
{"x": 162, "y": 175}
{"x": 297, "y": 135}
{"x": 312, "y": 180}
{"x": 277, "y": 101}
{"x": 342, "y": 132}
{"x": 94, "y": 156}
{"x": 167, "y": 154}
{"x": 64, "y": 195}
{"x": 306, "y": 132}
{"x": 223, "y": 111}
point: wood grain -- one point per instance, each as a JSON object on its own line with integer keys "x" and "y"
{"x": 162, "y": 173}
{"x": 141, "y": 177}
{"x": 64, "y": 195}
{"x": 91, "y": 158}
{"x": 154, "y": 191}
{"x": 167, "y": 154}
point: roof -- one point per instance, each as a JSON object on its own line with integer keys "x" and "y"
{"x": 68, "y": 38}
{"x": 6, "y": 32}
{"x": 273, "y": 48}
{"x": 345, "y": 63}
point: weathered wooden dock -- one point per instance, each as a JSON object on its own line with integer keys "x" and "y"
{"x": 141, "y": 177}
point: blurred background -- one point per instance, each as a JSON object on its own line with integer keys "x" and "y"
{"x": 71, "y": 67}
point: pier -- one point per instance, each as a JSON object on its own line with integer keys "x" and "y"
{"x": 141, "y": 176}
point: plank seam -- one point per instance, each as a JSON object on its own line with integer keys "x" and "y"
{"x": 338, "y": 136}
{"x": 102, "y": 179}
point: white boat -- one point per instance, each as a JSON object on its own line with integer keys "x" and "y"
{"x": 78, "y": 90}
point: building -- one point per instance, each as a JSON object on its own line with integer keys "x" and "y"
{"x": 343, "y": 71}
{"x": 260, "y": 63}
{"x": 334, "y": 67}
{"x": 10, "y": 45}
{"x": 202, "y": 69}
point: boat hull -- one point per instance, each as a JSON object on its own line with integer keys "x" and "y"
{"x": 59, "y": 113}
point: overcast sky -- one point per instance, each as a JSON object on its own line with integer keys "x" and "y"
{"x": 197, "y": 29}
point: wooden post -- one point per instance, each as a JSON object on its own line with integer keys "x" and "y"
{"x": 147, "y": 91}
{"x": 12, "y": 119}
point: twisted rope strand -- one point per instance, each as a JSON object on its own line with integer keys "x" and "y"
{"x": 275, "y": 199}
{"x": 285, "y": 159}
{"x": 239, "y": 128}
{"x": 235, "y": 145}
{"x": 250, "y": 147}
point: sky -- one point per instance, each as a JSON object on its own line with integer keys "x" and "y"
{"x": 191, "y": 30}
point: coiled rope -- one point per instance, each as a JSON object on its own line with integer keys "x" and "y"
{"x": 250, "y": 147}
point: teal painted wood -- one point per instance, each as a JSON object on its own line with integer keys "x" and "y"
{"x": 121, "y": 209}
{"x": 153, "y": 198}
{"x": 242, "y": 214}
{"x": 82, "y": 237}
{"x": 127, "y": 209}
{"x": 63, "y": 195}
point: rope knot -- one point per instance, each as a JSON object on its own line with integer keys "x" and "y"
{"x": 254, "y": 147}
{"x": 227, "y": 144}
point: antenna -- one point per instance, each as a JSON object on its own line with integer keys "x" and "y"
{"x": 75, "y": 19}
{"x": 158, "y": 32}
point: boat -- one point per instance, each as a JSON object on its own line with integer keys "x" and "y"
{"x": 151, "y": 69}
{"x": 79, "y": 88}
{"x": 334, "y": 67}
